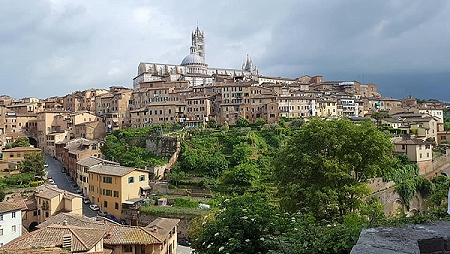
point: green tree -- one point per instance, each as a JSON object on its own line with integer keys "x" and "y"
{"x": 237, "y": 180}
{"x": 212, "y": 123}
{"x": 240, "y": 225}
{"x": 33, "y": 163}
{"x": 176, "y": 176}
{"x": 21, "y": 142}
{"x": 260, "y": 122}
{"x": 242, "y": 122}
{"x": 324, "y": 166}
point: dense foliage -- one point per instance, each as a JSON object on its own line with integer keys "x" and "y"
{"x": 293, "y": 187}
{"x": 323, "y": 167}
{"x": 33, "y": 163}
{"x": 127, "y": 147}
{"x": 19, "y": 142}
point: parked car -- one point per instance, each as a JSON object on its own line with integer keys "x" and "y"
{"x": 184, "y": 242}
{"x": 102, "y": 213}
{"x": 86, "y": 200}
{"x": 46, "y": 165}
{"x": 51, "y": 181}
{"x": 63, "y": 170}
{"x": 111, "y": 217}
{"x": 94, "y": 207}
{"x": 49, "y": 177}
{"x": 78, "y": 191}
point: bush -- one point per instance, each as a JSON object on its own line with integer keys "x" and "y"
{"x": 182, "y": 202}
{"x": 34, "y": 184}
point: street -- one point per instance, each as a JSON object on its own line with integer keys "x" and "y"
{"x": 184, "y": 250}
{"x": 64, "y": 182}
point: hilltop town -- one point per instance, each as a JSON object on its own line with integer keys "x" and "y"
{"x": 71, "y": 130}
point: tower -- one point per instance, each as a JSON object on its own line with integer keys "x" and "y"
{"x": 198, "y": 41}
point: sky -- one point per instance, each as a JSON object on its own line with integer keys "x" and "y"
{"x": 55, "y": 47}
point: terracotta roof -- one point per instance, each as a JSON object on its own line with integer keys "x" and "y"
{"x": 92, "y": 161}
{"x": 22, "y": 149}
{"x": 412, "y": 141}
{"x": 114, "y": 170}
{"x": 33, "y": 250}
{"x": 121, "y": 234}
{"x": 49, "y": 191}
{"x": 9, "y": 207}
{"x": 163, "y": 226}
{"x": 83, "y": 239}
{"x": 73, "y": 220}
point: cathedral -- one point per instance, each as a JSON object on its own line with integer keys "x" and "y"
{"x": 193, "y": 68}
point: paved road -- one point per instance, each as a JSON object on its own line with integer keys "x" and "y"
{"x": 64, "y": 182}
{"x": 184, "y": 250}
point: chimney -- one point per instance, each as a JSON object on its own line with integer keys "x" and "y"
{"x": 64, "y": 222}
{"x": 67, "y": 242}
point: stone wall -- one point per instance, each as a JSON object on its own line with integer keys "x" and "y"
{"x": 431, "y": 238}
{"x": 164, "y": 146}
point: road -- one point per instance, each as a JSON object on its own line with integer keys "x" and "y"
{"x": 184, "y": 250}
{"x": 64, "y": 182}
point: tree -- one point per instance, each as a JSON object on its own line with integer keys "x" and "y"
{"x": 240, "y": 225}
{"x": 21, "y": 142}
{"x": 2, "y": 195}
{"x": 237, "y": 180}
{"x": 33, "y": 163}
{"x": 260, "y": 122}
{"x": 212, "y": 123}
{"x": 242, "y": 122}
{"x": 324, "y": 166}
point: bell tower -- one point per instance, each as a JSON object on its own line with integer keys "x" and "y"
{"x": 198, "y": 41}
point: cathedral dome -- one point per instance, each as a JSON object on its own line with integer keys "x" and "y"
{"x": 193, "y": 59}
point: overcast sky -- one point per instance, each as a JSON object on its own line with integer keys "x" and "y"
{"x": 54, "y": 47}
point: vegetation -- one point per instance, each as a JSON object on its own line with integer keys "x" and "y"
{"x": 324, "y": 166}
{"x": 293, "y": 187}
{"x": 33, "y": 163}
{"x": 127, "y": 146}
{"x": 19, "y": 142}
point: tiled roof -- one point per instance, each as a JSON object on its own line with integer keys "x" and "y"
{"x": 121, "y": 234}
{"x": 73, "y": 220}
{"x": 49, "y": 191}
{"x": 9, "y": 207}
{"x": 114, "y": 170}
{"x": 163, "y": 226}
{"x": 92, "y": 161}
{"x": 83, "y": 239}
{"x": 22, "y": 149}
{"x": 409, "y": 141}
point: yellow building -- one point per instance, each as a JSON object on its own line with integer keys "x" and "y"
{"x": 51, "y": 200}
{"x": 111, "y": 185}
{"x": 17, "y": 154}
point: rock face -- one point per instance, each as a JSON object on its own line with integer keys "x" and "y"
{"x": 430, "y": 238}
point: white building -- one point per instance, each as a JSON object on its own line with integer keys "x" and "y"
{"x": 193, "y": 68}
{"x": 10, "y": 222}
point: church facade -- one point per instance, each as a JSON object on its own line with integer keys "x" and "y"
{"x": 193, "y": 68}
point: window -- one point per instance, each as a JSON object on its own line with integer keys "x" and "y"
{"x": 46, "y": 214}
{"x": 35, "y": 213}
{"x": 141, "y": 178}
{"x": 116, "y": 206}
{"x": 1, "y": 231}
{"x": 1, "y": 217}
{"x": 107, "y": 179}
{"x": 13, "y": 228}
{"x": 13, "y": 214}
{"x": 403, "y": 147}
{"x": 131, "y": 179}
{"x": 116, "y": 194}
{"x": 105, "y": 204}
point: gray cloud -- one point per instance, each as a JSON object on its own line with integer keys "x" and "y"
{"x": 55, "y": 47}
